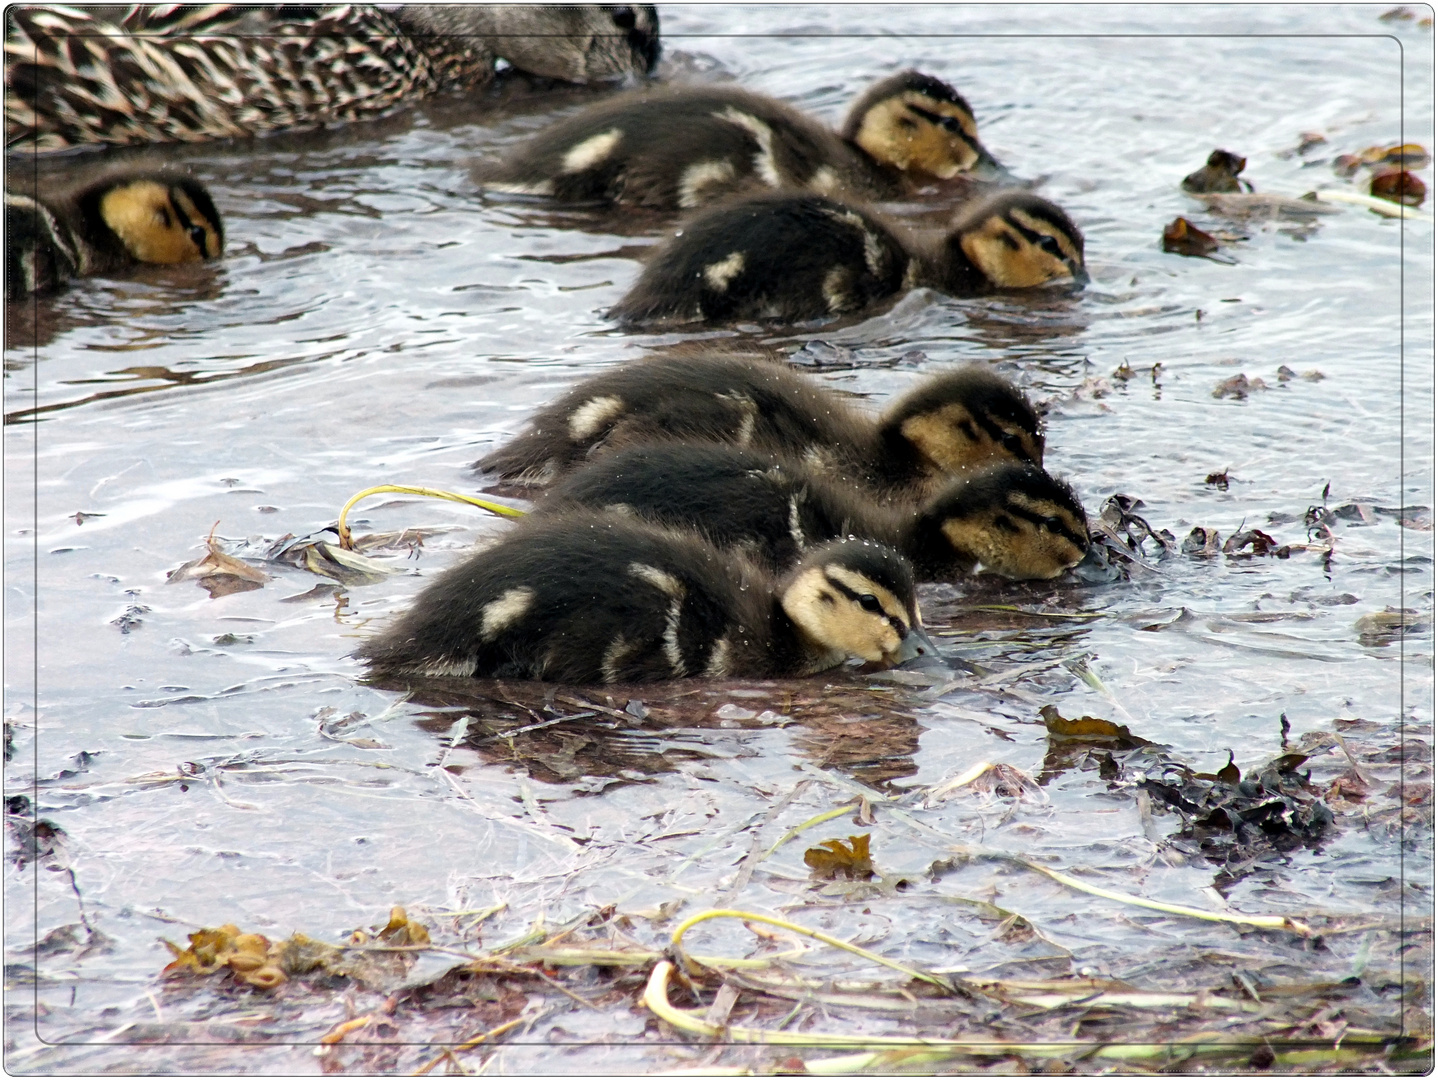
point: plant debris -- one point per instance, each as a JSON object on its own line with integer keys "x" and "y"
{"x": 219, "y": 573}
{"x": 835, "y": 859}
{"x": 1398, "y": 186}
{"x": 1220, "y": 174}
{"x": 255, "y": 960}
{"x": 1183, "y": 237}
{"x": 1239, "y": 386}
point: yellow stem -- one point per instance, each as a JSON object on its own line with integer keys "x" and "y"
{"x": 346, "y": 541}
{"x": 817, "y": 935}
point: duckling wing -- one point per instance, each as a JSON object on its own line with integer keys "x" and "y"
{"x": 789, "y": 257}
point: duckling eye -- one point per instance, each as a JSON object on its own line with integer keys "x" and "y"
{"x": 870, "y": 602}
{"x": 1052, "y": 524}
{"x": 1013, "y": 444}
{"x": 197, "y": 236}
{"x": 1049, "y": 244}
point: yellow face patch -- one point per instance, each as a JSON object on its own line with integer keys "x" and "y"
{"x": 159, "y": 224}
{"x": 1011, "y": 260}
{"x": 954, "y": 442}
{"x": 822, "y": 604}
{"x": 1014, "y": 546}
{"x": 909, "y": 133}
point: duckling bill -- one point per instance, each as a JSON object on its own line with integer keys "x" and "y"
{"x": 681, "y": 148}
{"x": 107, "y": 226}
{"x": 945, "y": 425}
{"x": 590, "y": 598}
{"x": 1010, "y": 519}
{"x": 797, "y": 257}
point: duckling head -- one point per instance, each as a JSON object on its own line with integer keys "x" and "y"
{"x": 1018, "y": 241}
{"x": 577, "y": 43}
{"x": 1012, "y": 520}
{"x": 920, "y": 124}
{"x": 163, "y": 220}
{"x": 856, "y": 598}
{"x": 964, "y": 419}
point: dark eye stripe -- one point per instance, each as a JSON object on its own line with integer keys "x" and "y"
{"x": 995, "y": 432}
{"x": 937, "y": 119}
{"x": 1038, "y": 519}
{"x": 1033, "y": 236}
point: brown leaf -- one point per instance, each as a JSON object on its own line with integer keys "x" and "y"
{"x": 1218, "y": 480}
{"x": 221, "y": 574}
{"x": 1183, "y": 237}
{"x": 1090, "y": 729}
{"x": 834, "y": 858}
{"x": 1398, "y": 186}
{"x": 1240, "y": 386}
{"x": 1261, "y": 542}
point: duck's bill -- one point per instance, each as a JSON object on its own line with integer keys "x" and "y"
{"x": 916, "y": 644}
{"x": 986, "y": 168}
{"x": 1080, "y": 277}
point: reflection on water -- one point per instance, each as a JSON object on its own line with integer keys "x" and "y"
{"x": 377, "y": 319}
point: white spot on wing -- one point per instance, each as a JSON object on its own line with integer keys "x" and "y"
{"x": 796, "y": 527}
{"x": 671, "y": 639}
{"x": 836, "y": 289}
{"x": 542, "y": 187}
{"x": 701, "y": 175}
{"x": 718, "y": 665}
{"x": 502, "y": 613}
{"x": 445, "y": 667}
{"x": 666, "y": 583}
{"x": 589, "y": 418}
{"x": 824, "y": 180}
{"x": 719, "y": 274}
{"x": 764, "y": 164}
{"x": 591, "y": 151}
{"x": 618, "y": 650}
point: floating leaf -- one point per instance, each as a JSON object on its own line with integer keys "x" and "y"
{"x": 1260, "y": 542}
{"x": 1183, "y": 237}
{"x": 1218, "y": 480}
{"x": 1239, "y": 386}
{"x": 1398, "y": 186}
{"x": 1090, "y": 729}
{"x": 834, "y": 858}
{"x": 221, "y": 574}
{"x": 1219, "y": 174}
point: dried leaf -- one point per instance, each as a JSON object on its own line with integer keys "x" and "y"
{"x": 1218, "y": 480}
{"x": 221, "y": 574}
{"x": 834, "y": 858}
{"x": 1260, "y": 541}
{"x": 1240, "y": 386}
{"x": 1398, "y": 186}
{"x": 1183, "y": 237}
{"x": 1090, "y": 729}
{"x": 1219, "y": 174}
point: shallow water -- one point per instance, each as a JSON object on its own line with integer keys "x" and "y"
{"x": 377, "y": 320}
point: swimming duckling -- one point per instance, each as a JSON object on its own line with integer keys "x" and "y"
{"x": 1219, "y": 175}
{"x": 588, "y": 598}
{"x": 187, "y": 72}
{"x": 104, "y": 226}
{"x": 1011, "y": 519}
{"x": 682, "y": 148}
{"x": 946, "y": 424}
{"x": 796, "y": 257}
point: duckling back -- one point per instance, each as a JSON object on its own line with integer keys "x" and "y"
{"x": 679, "y": 149}
{"x": 584, "y": 599}
{"x": 786, "y": 256}
{"x": 697, "y": 398}
{"x": 769, "y": 509}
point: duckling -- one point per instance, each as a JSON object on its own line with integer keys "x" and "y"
{"x": 682, "y": 148}
{"x": 946, "y": 424}
{"x": 1219, "y": 175}
{"x": 187, "y": 73}
{"x": 796, "y": 257}
{"x": 1010, "y": 519}
{"x": 590, "y": 597}
{"x": 104, "y": 226}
